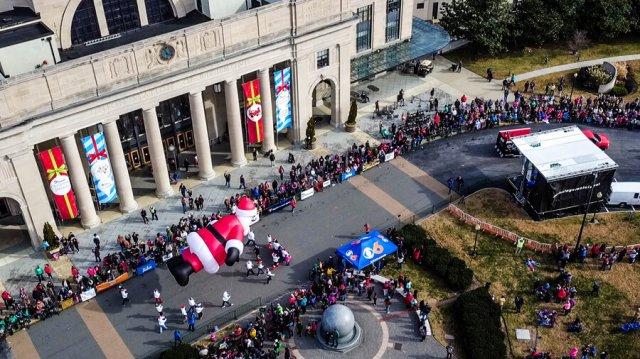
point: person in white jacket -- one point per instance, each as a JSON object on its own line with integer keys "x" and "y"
{"x": 162, "y": 320}
{"x": 226, "y": 299}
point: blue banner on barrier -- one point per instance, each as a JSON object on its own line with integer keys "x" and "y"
{"x": 346, "y": 175}
{"x": 278, "y": 206}
{"x": 143, "y": 268}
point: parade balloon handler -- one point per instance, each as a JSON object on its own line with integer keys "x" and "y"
{"x": 219, "y": 243}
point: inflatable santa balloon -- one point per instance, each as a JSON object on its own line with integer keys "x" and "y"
{"x": 218, "y": 243}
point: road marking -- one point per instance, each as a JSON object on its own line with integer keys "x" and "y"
{"x": 379, "y": 196}
{"x": 22, "y": 346}
{"x": 103, "y": 331}
{"x": 422, "y": 177}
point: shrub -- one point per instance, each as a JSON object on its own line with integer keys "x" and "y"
{"x": 182, "y": 351}
{"x": 438, "y": 260}
{"x": 619, "y": 91}
{"x": 50, "y": 236}
{"x": 477, "y": 318}
{"x": 353, "y": 113}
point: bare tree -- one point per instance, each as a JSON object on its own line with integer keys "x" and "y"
{"x": 578, "y": 41}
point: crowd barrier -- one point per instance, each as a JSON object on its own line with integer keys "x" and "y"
{"x": 546, "y": 248}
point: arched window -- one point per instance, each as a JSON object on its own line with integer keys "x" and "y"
{"x": 158, "y": 11}
{"x": 84, "y": 26}
{"x": 122, "y": 15}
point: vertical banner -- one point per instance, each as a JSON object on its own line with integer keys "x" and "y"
{"x": 282, "y": 81}
{"x": 58, "y": 176}
{"x": 100, "y": 167}
{"x": 253, "y": 106}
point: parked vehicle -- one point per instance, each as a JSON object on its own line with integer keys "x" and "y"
{"x": 624, "y": 194}
{"x": 601, "y": 140}
{"x": 504, "y": 143}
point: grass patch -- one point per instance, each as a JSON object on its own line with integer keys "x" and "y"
{"x": 498, "y": 207}
{"x": 524, "y": 61}
{"x": 430, "y": 288}
{"x": 497, "y": 263}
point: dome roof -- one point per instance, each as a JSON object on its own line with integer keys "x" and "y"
{"x": 338, "y": 317}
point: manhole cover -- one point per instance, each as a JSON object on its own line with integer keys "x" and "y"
{"x": 373, "y": 88}
{"x": 397, "y": 346}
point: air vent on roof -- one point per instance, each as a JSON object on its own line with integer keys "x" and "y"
{"x": 535, "y": 144}
{"x": 554, "y": 165}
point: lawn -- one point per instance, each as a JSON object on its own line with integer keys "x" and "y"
{"x": 530, "y": 59}
{"x": 497, "y": 263}
{"x": 498, "y": 207}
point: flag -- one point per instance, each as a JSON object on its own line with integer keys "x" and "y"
{"x": 253, "y": 108}
{"x": 100, "y": 167}
{"x": 282, "y": 82}
{"x": 59, "y": 184}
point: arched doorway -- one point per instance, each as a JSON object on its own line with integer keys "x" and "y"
{"x": 14, "y": 235}
{"x": 324, "y": 103}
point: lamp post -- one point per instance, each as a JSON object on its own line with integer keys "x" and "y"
{"x": 475, "y": 241}
{"x": 573, "y": 83}
{"x": 586, "y": 210}
{"x": 172, "y": 152}
{"x": 595, "y": 210}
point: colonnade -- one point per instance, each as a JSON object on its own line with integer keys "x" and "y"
{"x": 128, "y": 203}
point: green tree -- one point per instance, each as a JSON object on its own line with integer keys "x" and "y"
{"x": 49, "y": 235}
{"x": 486, "y": 23}
{"x": 538, "y": 22}
{"x": 353, "y": 113}
{"x": 606, "y": 19}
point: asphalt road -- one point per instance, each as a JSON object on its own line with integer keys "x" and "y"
{"x": 319, "y": 225}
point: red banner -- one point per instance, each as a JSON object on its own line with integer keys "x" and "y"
{"x": 253, "y": 108}
{"x": 59, "y": 184}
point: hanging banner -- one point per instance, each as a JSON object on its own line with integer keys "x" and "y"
{"x": 282, "y": 81}
{"x": 57, "y": 174}
{"x": 100, "y": 167}
{"x": 253, "y": 108}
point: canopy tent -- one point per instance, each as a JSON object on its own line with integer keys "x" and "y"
{"x": 367, "y": 249}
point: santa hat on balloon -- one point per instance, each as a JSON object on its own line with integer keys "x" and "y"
{"x": 220, "y": 242}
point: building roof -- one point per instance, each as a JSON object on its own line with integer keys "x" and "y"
{"x": 24, "y": 33}
{"x": 18, "y": 15}
{"x": 563, "y": 153}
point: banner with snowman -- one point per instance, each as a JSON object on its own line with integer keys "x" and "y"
{"x": 100, "y": 167}
{"x": 59, "y": 184}
{"x": 282, "y": 82}
{"x": 253, "y": 108}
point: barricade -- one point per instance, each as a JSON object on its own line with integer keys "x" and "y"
{"x": 106, "y": 285}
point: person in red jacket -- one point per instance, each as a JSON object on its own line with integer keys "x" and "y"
{"x": 48, "y": 270}
{"x": 8, "y": 300}
{"x": 74, "y": 271}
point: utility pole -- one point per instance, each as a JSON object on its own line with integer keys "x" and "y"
{"x": 586, "y": 210}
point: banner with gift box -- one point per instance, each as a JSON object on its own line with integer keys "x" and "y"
{"x": 253, "y": 109}
{"x": 282, "y": 81}
{"x": 96, "y": 150}
{"x": 59, "y": 184}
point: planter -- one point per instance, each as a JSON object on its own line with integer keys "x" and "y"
{"x": 314, "y": 145}
{"x": 350, "y": 127}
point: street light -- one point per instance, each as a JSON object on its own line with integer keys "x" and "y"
{"x": 573, "y": 82}
{"x": 475, "y": 241}
{"x": 595, "y": 210}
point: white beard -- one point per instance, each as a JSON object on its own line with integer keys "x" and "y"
{"x": 246, "y": 224}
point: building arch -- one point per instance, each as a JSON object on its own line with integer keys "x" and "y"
{"x": 333, "y": 83}
{"x": 26, "y": 217}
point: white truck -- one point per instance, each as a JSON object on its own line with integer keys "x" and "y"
{"x": 624, "y": 194}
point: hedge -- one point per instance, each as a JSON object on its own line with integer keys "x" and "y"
{"x": 477, "y": 319}
{"x": 619, "y": 91}
{"x": 182, "y": 351}
{"x": 439, "y": 260}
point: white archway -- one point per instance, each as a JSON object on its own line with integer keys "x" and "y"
{"x": 26, "y": 216}
{"x": 333, "y": 106}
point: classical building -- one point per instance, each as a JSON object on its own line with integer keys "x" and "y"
{"x": 149, "y": 83}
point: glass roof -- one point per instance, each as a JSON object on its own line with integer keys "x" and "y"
{"x": 425, "y": 39}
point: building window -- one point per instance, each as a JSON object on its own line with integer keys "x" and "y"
{"x": 420, "y": 5}
{"x": 363, "y": 28}
{"x": 392, "y": 31}
{"x": 84, "y": 26}
{"x": 434, "y": 11}
{"x": 158, "y": 11}
{"x": 322, "y": 58}
{"x": 122, "y": 15}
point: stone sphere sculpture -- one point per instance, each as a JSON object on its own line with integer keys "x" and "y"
{"x": 339, "y": 330}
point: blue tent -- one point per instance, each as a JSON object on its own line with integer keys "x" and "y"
{"x": 367, "y": 249}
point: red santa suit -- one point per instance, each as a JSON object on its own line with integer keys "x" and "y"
{"x": 219, "y": 243}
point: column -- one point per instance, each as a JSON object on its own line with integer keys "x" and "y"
{"x": 156, "y": 151}
{"x": 201, "y": 135}
{"x": 235, "y": 126}
{"x": 88, "y": 216}
{"x": 119, "y": 167}
{"x": 36, "y": 211}
{"x": 267, "y": 114}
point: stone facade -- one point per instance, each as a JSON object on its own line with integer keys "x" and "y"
{"x": 61, "y": 100}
